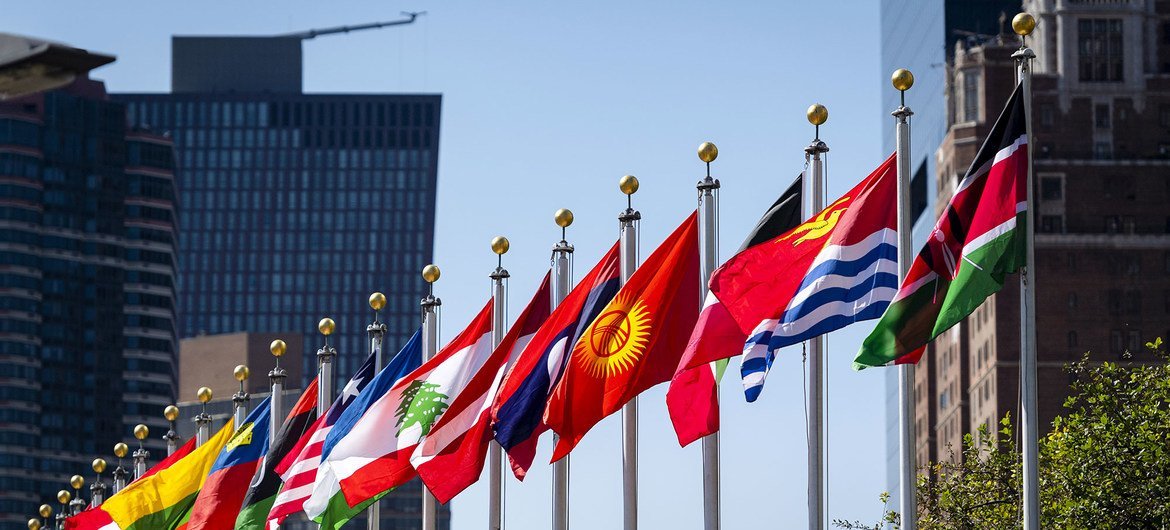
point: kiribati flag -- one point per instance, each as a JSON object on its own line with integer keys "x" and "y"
{"x": 519, "y": 407}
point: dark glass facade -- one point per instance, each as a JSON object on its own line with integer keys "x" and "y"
{"x": 87, "y": 289}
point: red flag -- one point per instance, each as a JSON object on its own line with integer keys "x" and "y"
{"x": 634, "y": 344}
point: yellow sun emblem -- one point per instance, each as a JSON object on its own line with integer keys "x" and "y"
{"x": 819, "y": 226}
{"x": 616, "y": 339}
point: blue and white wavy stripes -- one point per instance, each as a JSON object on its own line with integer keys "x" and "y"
{"x": 845, "y": 284}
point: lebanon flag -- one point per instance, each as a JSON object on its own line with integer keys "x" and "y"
{"x": 375, "y": 456}
{"x": 262, "y": 492}
{"x": 227, "y": 483}
{"x": 634, "y": 344}
{"x": 693, "y": 398}
{"x": 518, "y": 411}
{"x": 974, "y": 246}
{"x": 451, "y": 457}
{"x": 96, "y": 517}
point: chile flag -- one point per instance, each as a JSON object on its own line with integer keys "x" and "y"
{"x": 223, "y": 493}
{"x": 519, "y": 407}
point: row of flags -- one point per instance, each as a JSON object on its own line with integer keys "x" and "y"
{"x": 566, "y": 369}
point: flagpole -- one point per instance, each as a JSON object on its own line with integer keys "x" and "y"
{"x": 97, "y": 490}
{"x": 171, "y": 413}
{"x": 1023, "y": 24}
{"x": 120, "y": 451}
{"x": 325, "y": 357}
{"x": 817, "y": 115}
{"x": 141, "y": 432}
{"x": 562, "y": 252}
{"x": 430, "y": 346}
{"x": 45, "y": 512}
{"x": 241, "y": 398}
{"x": 203, "y": 419}
{"x": 708, "y": 238}
{"x": 377, "y": 333}
{"x": 628, "y": 228}
{"x": 907, "y": 437}
{"x": 500, "y": 246}
{"x": 78, "y": 503}
{"x": 276, "y": 378}
{"x": 63, "y": 497}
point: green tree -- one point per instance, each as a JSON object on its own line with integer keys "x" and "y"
{"x": 420, "y": 405}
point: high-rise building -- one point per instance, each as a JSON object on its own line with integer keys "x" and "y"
{"x": 919, "y": 35}
{"x": 87, "y": 289}
{"x": 297, "y": 206}
{"x": 1101, "y": 126}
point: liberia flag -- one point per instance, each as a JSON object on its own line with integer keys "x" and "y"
{"x": 451, "y": 457}
{"x": 975, "y": 245}
{"x": 635, "y": 343}
{"x": 518, "y": 410}
{"x": 374, "y": 456}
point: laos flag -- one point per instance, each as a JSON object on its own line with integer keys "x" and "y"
{"x": 227, "y": 484}
{"x": 519, "y": 407}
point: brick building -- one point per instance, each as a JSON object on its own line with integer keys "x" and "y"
{"x": 1101, "y": 126}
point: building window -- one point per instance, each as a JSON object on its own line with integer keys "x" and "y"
{"x": 1164, "y": 115}
{"x": 1101, "y": 116}
{"x": 1072, "y": 300}
{"x": 1112, "y": 224}
{"x": 1047, "y": 115}
{"x": 1102, "y": 150}
{"x": 1133, "y": 343}
{"x": 971, "y": 95}
{"x": 1099, "y": 42}
{"x": 1052, "y": 224}
{"x": 1051, "y": 188}
{"x": 1072, "y": 339}
{"x": 1116, "y": 342}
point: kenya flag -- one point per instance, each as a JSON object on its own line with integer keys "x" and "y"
{"x": 974, "y": 246}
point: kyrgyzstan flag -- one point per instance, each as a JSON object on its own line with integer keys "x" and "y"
{"x": 635, "y": 343}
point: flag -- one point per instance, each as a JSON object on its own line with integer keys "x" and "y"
{"x": 375, "y": 456}
{"x": 263, "y": 490}
{"x": 227, "y": 483}
{"x": 97, "y": 518}
{"x": 518, "y": 410}
{"x": 162, "y": 500}
{"x": 693, "y": 397}
{"x": 317, "y": 491}
{"x": 451, "y": 457}
{"x": 634, "y": 344}
{"x": 974, "y": 246}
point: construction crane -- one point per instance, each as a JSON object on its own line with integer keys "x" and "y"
{"x": 314, "y": 33}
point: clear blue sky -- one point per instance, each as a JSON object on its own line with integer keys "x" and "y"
{"x": 546, "y": 105}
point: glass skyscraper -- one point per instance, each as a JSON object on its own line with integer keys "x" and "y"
{"x": 87, "y": 290}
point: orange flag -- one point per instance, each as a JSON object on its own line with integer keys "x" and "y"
{"x": 636, "y": 342}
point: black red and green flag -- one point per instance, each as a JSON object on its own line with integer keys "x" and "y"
{"x": 975, "y": 245}
{"x": 266, "y": 483}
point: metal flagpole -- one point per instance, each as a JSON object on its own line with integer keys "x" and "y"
{"x": 78, "y": 503}
{"x": 45, "y": 512}
{"x": 1023, "y": 24}
{"x": 203, "y": 419}
{"x": 815, "y": 190}
{"x": 628, "y": 228}
{"x": 430, "y": 346}
{"x": 562, "y": 252}
{"x": 171, "y": 413}
{"x": 141, "y": 432}
{"x": 241, "y": 398}
{"x": 500, "y": 246}
{"x": 63, "y": 497}
{"x": 276, "y": 378}
{"x": 325, "y": 357}
{"x": 708, "y": 237}
{"x": 907, "y": 437}
{"x": 120, "y": 451}
{"x": 377, "y": 333}
{"x": 97, "y": 490}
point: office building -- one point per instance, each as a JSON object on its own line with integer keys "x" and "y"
{"x": 296, "y": 206}
{"x": 208, "y": 361}
{"x": 88, "y": 230}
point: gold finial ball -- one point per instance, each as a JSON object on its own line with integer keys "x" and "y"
{"x": 241, "y": 373}
{"x": 34, "y": 524}
{"x": 377, "y": 301}
{"x": 45, "y": 510}
{"x": 326, "y": 326}
{"x": 77, "y": 481}
{"x": 500, "y": 245}
{"x": 628, "y": 184}
{"x": 63, "y": 496}
{"x": 121, "y": 450}
{"x": 817, "y": 114}
{"x": 1023, "y": 24}
{"x": 99, "y": 465}
{"x": 141, "y": 431}
{"x": 204, "y": 394}
{"x": 563, "y": 217}
{"x": 277, "y": 347}
{"x": 171, "y": 413}
{"x": 708, "y": 152}
{"x": 431, "y": 273}
{"x": 902, "y": 79}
